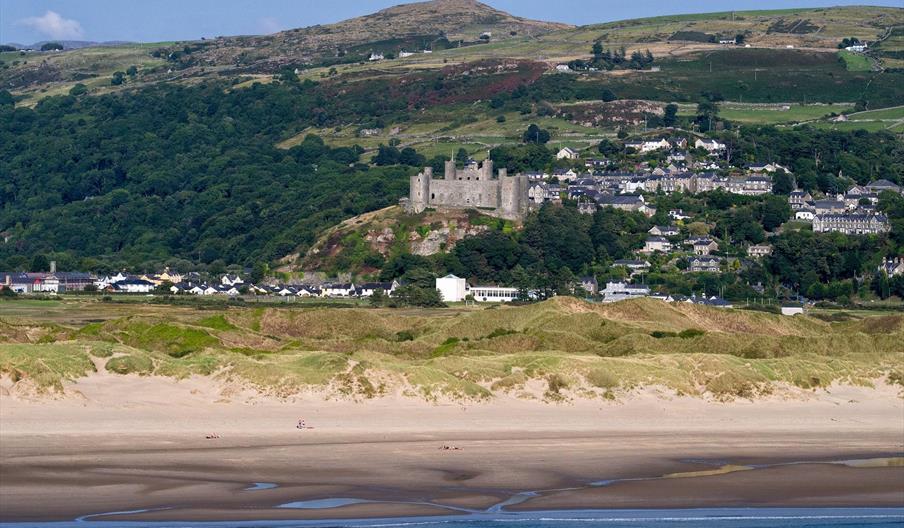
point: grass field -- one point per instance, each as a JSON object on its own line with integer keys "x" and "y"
{"x": 855, "y": 61}
{"x": 573, "y": 348}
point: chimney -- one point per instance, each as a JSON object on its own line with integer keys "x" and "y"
{"x": 52, "y": 266}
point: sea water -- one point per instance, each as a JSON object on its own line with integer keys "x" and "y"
{"x": 687, "y": 518}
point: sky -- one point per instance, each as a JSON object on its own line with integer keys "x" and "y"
{"x": 29, "y": 21}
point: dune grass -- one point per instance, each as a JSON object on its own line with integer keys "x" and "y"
{"x": 567, "y": 347}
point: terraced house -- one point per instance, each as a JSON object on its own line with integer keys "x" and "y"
{"x": 851, "y": 223}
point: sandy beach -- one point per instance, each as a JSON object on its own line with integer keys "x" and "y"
{"x": 117, "y": 443}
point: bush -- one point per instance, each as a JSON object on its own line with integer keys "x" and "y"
{"x": 659, "y": 334}
{"x": 404, "y": 335}
{"x": 690, "y": 333}
{"x": 602, "y": 379}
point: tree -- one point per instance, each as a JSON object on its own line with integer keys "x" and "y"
{"x": 597, "y": 50}
{"x": 259, "y": 271}
{"x": 881, "y": 286}
{"x": 51, "y": 46}
{"x": 411, "y": 295}
{"x": 118, "y": 78}
{"x": 670, "y": 115}
{"x": 132, "y": 71}
{"x": 386, "y": 155}
{"x": 6, "y": 98}
{"x": 782, "y": 183}
{"x": 409, "y": 156}
{"x": 607, "y": 147}
{"x": 78, "y": 89}
{"x": 535, "y": 134}
{"x": 378, "y": 298}
{"x": 39, "y": 263}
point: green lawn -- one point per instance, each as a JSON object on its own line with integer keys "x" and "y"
{"x": 855, "y": 61}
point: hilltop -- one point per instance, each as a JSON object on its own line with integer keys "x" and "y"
{"x": 452, "y": 29}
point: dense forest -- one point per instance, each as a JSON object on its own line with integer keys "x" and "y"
{"x": 175, "y": 174}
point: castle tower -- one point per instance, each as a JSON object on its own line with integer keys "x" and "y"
{"x": 449, "y": 170}
{"x": 419, "y": 193}
{"x": 486, "y": 170}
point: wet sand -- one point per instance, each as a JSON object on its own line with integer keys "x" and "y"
{"x": 115, "y": 450}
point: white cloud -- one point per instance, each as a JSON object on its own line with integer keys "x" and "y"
{"x": 269, "y": 25}
{"x": 54, "y": 26}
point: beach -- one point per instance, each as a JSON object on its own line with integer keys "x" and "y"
{"x": 124, "y": 443}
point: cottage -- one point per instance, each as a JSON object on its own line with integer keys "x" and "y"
{"x": 368, "y": 288}
{"x": 709, "y": 145}
{"x": 704, "y": 246}
{"x": 338, "y": 290}
{"x": 635, "y": 266}
{"x": 133, "y": 286}
{"x": 829, "y": 206}
{"x": 678, "y": 214}
{"x": 805, "y": 215}
{"x": 892, "y": 266}
{"x": 589, "y": 285}
{"x": 799, "y": 199}
{"x": 704, "y": 264}
{"x": 656, "y": 243}
{"x": 567, "y": 153}
{"x": 759, "y": 251}
{"x": 665, "y": 231}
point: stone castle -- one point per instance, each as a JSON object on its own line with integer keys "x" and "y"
{"x": 472, "y": 187}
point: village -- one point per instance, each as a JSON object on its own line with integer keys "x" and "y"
{"x": 689, "y": 169}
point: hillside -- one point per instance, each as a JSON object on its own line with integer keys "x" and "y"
{"x": 361, "y": 244}
{"x": 443, "y": 26}
{"x": 559, "y": 349}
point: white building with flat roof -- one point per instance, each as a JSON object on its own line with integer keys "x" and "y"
{"x": 452, "y": 288}
{"x": 493, "y": 293}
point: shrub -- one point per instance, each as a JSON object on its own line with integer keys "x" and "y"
{"x": 404, "y": 335}
{"x": 690, "y": 333}
{"x": 602, "y": 379}
{"x": 659, "y": 334}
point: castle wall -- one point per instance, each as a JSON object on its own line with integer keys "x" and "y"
{"x": 464, "y": 193}
{"x": 471, "y": 187}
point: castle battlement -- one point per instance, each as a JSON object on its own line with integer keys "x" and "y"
{"x": 471, "y": 187}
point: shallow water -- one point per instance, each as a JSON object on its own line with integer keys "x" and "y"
{"x": 707, "y": 518}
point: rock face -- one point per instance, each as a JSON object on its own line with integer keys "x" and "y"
{"x": 442, "y": 239}
{"x": 427, "y": 233}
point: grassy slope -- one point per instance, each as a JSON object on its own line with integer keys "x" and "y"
{"x": 573, "y": 348}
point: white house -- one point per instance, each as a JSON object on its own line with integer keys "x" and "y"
{"x": 134, "y": 286}
{"x": 337, "y": 290}
{"x": 231, "y": 280}
{"x": 709, "y": 145}
{"x": 375, "y": 57}
{"x": 451, "y": 288}
{"x": 806, "y": 215}
{"x": 619, "y": 291}
{"x": 567, "y": 153}
{"x": 403, "y": 54}
{"x": 792, "y": 309}
{"x": 562, "y": 68}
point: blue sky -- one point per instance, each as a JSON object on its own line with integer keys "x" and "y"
{"x": 27, "y": 21}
